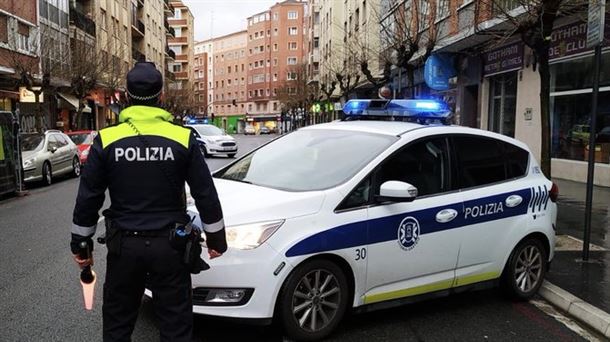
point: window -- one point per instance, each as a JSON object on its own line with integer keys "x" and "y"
{"x": 292, "y": 15}
{"x": 424, "y": 12}
{"x": 275, "y": 32}
{"x": 503, "y": 103}
{"x": 291, "y": 76}
{"x": 517, "y": 160}
{"x": 275, "y": 62}
{"x": 274, "y": 77}
{"x": 274, "y": 47}
{"x": 480, "y": 159}
{"x": 229, "y": 69}
{"x": 292, "y": 45}
{"x": 293, "y": 31}
{"x": 177, "y": 13}
{"x": 442, "y": 9}
{"x": 292, "y": 60}
{"x": 258, "y": 78}
{"x": 275, "y": 16}
{"x": 177, "y": 67}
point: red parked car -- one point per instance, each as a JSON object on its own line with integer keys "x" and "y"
{"x": 83, "y": 140}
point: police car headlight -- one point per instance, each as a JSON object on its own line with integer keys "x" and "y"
{"x": 29, "y": 162}
{"x": 250, "y": 236}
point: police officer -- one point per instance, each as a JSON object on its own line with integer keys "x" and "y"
{"x": 144, "y": 162}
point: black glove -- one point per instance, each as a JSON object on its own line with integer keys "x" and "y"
{"x": 77, "y": 239}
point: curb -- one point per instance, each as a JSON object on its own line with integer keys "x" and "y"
{"x": 592, "y": 316}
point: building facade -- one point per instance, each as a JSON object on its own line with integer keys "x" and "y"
{"x": 18, "y": 32}
{"x": 229, "y": 79}
{"x": 497, "y": 84}
{"x": 183, "y": 46}
{"x": 207, "y": 47}
{"x": 200, "y": 72}
{"x": 276, "y": 47}
{"x": 148, "y": 32}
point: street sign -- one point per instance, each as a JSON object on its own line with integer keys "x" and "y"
{"x": 28, "y": 96}
{"x": 595, "y": 22}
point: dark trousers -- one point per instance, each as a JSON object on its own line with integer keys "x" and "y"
{"x": 150, "y": 259}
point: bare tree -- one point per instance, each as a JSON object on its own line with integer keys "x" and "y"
{"x": 295, "y": 91}
{"x": 533, "y": 21}
{"x": 409, "y": 31}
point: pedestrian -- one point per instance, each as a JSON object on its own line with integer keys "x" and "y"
{"x": 144, "y": 162}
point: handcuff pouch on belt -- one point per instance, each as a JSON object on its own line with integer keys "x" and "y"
{"x": 187, "y": 239}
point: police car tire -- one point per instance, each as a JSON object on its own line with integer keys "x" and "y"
{"x": 509, "y": 277}
{"x": 231, "y": 155}
{"x": 287, "y": 319}
{"x": 47, "y": 173}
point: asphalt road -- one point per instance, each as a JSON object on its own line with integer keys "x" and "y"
{"x": 40, "y": 295}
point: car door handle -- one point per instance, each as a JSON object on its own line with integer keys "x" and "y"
{"x": 513, "y": 201}
{"x": 446, "y": 215}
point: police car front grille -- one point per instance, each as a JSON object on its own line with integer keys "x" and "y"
{"x": 227, "y": 144}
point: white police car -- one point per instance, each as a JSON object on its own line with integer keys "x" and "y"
{"x": 372, "y": 212}
{"x": 213, "y": 140}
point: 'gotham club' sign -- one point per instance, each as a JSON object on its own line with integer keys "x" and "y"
{"x": 503, "y": 59}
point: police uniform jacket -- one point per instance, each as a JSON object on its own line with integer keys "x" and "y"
{"x": 145, "y": 176}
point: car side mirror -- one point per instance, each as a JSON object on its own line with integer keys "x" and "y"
{"x": 53, "y": 149}
{"x": 396, "y": 191}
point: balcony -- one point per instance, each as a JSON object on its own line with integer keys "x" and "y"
{"x": 182, "y": 58}
{"x": 137, "y": 55}
{"x": 183, "y": 75}
{"x": 81, "y": 21}
{"x": 168, "y": 8}
{"x": 177, "y": 22}
{"x": 179, "y": 41}
{"x": 169, "y": 31}
{"x": 138, "y": 30}
{"x": 170, "y": 54}
{"x": 140, "y": 3}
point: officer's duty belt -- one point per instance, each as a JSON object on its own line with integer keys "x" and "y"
{"x": 146, "y": 233}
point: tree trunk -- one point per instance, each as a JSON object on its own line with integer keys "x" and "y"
{"x": 545, "y": 112}
{"x": 411, "y": 86}
{"x": 38, "y": 115}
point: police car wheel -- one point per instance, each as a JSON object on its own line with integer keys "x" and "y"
{"x": 525, "y": 269}
{"x": 75, "y": 167}
{"x": 231, "y": 155}
{"x": 47, "y": 174}
{"x": 313, "y": 300}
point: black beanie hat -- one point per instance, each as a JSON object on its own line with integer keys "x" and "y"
{"x": 144, "y": 82}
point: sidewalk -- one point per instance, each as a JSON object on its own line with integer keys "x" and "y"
{"x": 581, "y": 289}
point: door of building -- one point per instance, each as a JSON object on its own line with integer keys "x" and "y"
{"x": 503, "y": 103}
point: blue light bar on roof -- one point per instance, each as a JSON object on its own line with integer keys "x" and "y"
{"x": 416, "y": 109}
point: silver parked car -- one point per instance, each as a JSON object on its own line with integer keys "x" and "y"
{"x": 47, "y": 155}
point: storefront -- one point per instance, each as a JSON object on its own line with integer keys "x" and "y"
{"x": 510, "y": 95}
{"x": 571, "y": 69}
{"x": 231, "y": 124}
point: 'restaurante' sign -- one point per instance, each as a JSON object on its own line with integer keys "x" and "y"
{"x": 503, "y": 59}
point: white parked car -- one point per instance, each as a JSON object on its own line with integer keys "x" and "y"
{"x": 369, "y": 213}
{"x": 213, "y": 140}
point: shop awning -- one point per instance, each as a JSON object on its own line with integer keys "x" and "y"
{"x": 73, "y": 101}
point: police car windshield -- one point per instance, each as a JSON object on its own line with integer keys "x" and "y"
{"x": 308, "y": 160}
{"x": 208, "y": 130}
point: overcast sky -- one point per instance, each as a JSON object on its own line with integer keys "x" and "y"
{"x": 215, "y": 18}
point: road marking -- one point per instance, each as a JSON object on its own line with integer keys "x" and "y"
{"x": 568, "y": 322}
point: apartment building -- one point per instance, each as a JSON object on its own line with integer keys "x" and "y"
{"x": 148, "y": 33}
{"x": 497, "y": 83}
{"x": 276, "y": 46}
{"x": 313, "y": 42}
{"x": 230, "y": 72}
{"x": 183, "y": 46}
{"x": 200, "y": 72}
{"x": 207, "y": 47}
{"x": 170, "y": 55}
{"x": 18, "y": 24}
{"x": 331, "y": 47}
